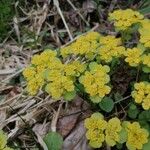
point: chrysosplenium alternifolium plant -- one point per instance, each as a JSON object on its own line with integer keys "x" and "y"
{"x": 84, "y": 67}
{"x": 114, "y": 131}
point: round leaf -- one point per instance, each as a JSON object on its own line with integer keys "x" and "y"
{"x": 123, "y": 136}
{"x": 68, "y": 96}
{"x": 107, "y": 104}
{"x": 53, "y": 141}
{"x": 146, "y": 146}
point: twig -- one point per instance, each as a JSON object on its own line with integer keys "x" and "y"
{"x": 56, "y": 3}
{"x": 7, "y": 71}
{"x": 72, "y": 5}
{"x": 12, "y": 76}
{"x": 123, "y": 99}
{"x": 27, "y": 125}
{"x": 55, "y": 118}
{"x": 94, "y": 28}
{"x": 108, "y": 147}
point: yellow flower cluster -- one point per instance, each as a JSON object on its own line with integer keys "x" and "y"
{"x": 146, "y": 60}
{"x": 137, "y": 136}
{"x": 35, "y": 73}
{"x": 74, "y": 68}
{"x": 48, "y": 70}
{"x": 114, "y": 131}
{"x": 145, "y": 32}
{"x": 95, "y": 81}
{"x": 133, "y": 56}
{"x": 123, "y": 19}
{"x": 58, "y": 85}
{"x": 85, "y": 45}
{"x": 3, "y": 141}
{"x": 141, "y": 94}
{"x": 95, "y": 133}
{"x": 110, "y": 47}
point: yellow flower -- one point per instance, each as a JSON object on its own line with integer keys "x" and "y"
{"x": 146, "y": 60}
{"x": 95, "y": 81}
{"x": 90, "y": 37}
{"x": 3, "y": 140}
{"x": 43, "y": 58}
{"x": 123, "y": 19}
{"x": 137, "y": 136}
{"x": 85, "y": 45}
{"x": 133, "y": 56}
{"x": 146, "y": 102}
{"x": 29, "y": 73}
{"x": 112, "y": 131}
{"x": 65, "y": 51}
{"x": 110, "y": 47}
{"x": 141, "y": 94}
{"x": 145, "y": 32}
{"x": 58, "y": 86}
{"x": 95, "y": 129}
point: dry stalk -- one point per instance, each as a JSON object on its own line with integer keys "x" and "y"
{"x": 72, "y": 5}
{"x": 55, "y": 118}
{"x": 56, "y": 3}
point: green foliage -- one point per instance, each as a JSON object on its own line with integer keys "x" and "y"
{"x": 107, "y": 104}
{"x": 53, "y": 141}
{"x": 6, "y": 15}
{"x": 133, "y": 111}
{"x": 144, "y": 115}
{"x": 146, "y": 69}
{"x": 123, "y": 136}
{"x": 68, "y": 96}
{"x": 147, "y": 145}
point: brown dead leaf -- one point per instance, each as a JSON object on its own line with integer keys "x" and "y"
{"x": 77, "y": 140}
{"x": 74, "y": 113}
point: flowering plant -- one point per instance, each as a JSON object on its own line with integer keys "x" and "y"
{"x": 87, "y": 66}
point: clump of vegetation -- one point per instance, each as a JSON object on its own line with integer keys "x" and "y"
{"x": 85, "y": 67}
{"x": 6, "y": 15}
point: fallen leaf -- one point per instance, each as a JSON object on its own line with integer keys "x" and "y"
{"x": 77, "y": 140}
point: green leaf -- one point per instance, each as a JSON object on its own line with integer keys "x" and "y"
{"x": 145, "y": 10}
{"x": 53, "y": 141}
{"x": 93, "y": 65}
{"x": 133, "y": 111}
{"x": 123, "y": 136}
{"x": 146, "y": 146}
{"x": 144, "y": 115}
{"x": 145, "y": 125}
{"x": 119, "y": 146}
{"x": 68, "y": 96}
{"x": 95, "y": 99}
{"x": 107, "y": 104}
{"x": 146, "y": 69}
{"x": 141, "y": 46}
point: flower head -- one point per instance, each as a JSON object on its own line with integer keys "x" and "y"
{"x": 112, "y": 131}
{"x": 141, "y": 94}
{"x": 133, "y": 56}
{"x": 137, "y": 136}
{"x": 95, "y": 129}
{"x": 123, "y": 19}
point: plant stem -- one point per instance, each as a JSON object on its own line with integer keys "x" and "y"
{"x": 123, "y": 99}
